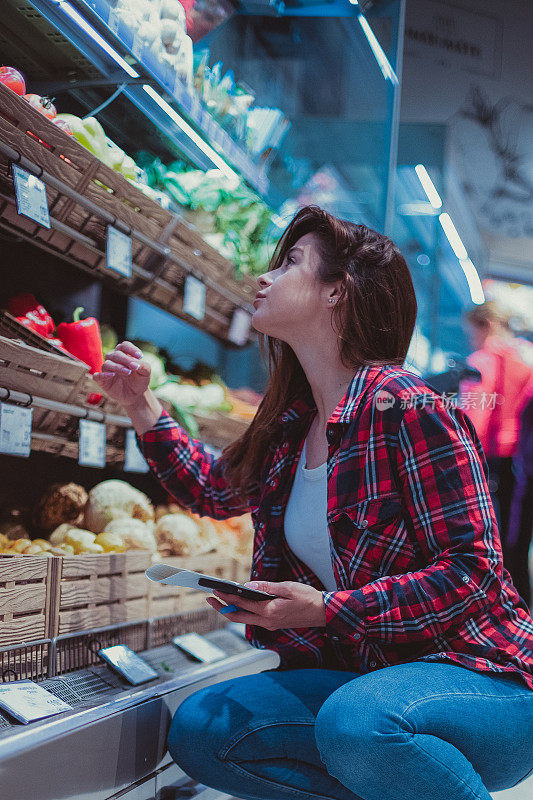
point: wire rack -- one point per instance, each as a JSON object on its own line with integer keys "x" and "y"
{"x": 29, "y": 661}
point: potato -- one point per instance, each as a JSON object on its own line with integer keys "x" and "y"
{"x": 111, "y": 542}
{"x": 33, "y": 550}
{"x": 91, "y": 549}
{"x": 43, "y": 544}
{"x": 20, "y": 545}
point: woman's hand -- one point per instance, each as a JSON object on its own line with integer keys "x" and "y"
{"x": 296, "y": 605}
{"x": 124, "y": 376}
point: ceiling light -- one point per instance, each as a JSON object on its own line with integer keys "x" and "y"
{"x": 453, "y": 237}
{"x": 378, "y": 51}
{"x": 474, "y": 284}
{"x": 95, "y": 36}
{"x": 191, "y": 133}
{"x": 429, "y": 186}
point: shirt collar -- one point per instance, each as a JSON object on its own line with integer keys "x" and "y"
{"x": 303, "y": 406}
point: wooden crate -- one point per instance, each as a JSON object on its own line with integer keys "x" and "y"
{"x": 27, "y": 369}
{"x": 91, "y": 591}
{"x": 24, "y": 598}
{"x": 167, "y": 600}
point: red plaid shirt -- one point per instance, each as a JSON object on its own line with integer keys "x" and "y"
{"x": 413, "y": 537}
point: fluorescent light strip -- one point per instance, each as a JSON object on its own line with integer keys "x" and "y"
{"x": 95, "y": 36}
{"x": 474, "y": 284}
{"x": 381, "y": 58}
{"x": 428, "y": 186}
{"x": 191, "y": 133}
{"x": 354, "y": 2}
{"x": 453, "y": 237}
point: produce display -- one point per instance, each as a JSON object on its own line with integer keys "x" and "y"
{"x": 183, "y": 396}
{"x": 115, "y": 517}
{"x": 161, "y": 26}
{"x": 230, "y": 103}
{"x": 229, "y": 215}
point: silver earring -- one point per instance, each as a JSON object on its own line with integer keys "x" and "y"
{"x": 331, "y": 299}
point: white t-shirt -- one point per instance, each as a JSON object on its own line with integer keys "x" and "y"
{"x": 306, "y": 526}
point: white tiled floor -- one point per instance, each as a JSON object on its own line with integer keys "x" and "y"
{"x": 524, "y": 791}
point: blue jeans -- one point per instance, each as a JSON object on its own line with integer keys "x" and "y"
{"x": 407, "y": 732}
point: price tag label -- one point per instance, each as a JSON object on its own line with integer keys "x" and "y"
{"x": 119, "y": 252}
{"x": 27, "y": 701}
{"x": 113, "y": 21}
{"x": 199, "y": 648}
{"x": 137, "y": 46}
{"x": 31, "y": 196}
{"x": 15, "y": 430}
{"x": 134, "y": 461}
{"x": 92, "y": 444}
{"x": 194, "y": 298}
{"x": 240, "y": 326}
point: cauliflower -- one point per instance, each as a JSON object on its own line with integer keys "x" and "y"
{"x": 178, "y": 535}
{"x": 113, "y": 500}
{"x": 136, "y": 535}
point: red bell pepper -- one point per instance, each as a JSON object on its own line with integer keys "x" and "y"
{"x": 25, "y": 306}
{"x": 82, "y": 338}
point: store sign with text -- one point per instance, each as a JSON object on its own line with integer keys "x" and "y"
{"x": 453, "y": 37}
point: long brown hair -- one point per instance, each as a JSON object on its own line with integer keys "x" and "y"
{"x": 374, "y": 319}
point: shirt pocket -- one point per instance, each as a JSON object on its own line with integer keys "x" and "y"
{"x": 372, "y": 539}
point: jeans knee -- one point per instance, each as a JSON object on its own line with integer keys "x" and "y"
{"x": 188, "y": 741}
{"x": 345, "y": 731}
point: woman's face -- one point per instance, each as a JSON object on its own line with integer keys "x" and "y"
{"x": 291, "y": 301}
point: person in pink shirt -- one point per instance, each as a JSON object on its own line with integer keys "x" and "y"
{"x": 495, "y": 405}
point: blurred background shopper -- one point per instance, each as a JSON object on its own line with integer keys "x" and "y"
{"x": 495, "y": 404}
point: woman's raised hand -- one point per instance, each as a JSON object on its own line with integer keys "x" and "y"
{"x": 125, "y": 376}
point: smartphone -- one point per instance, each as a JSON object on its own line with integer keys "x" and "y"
{"x": 230, "y": 587}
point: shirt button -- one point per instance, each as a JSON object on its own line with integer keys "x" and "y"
{"x": 364, "y": 523}
{"x": 274, "y": 482}
{"x": 335, "y": 638}
{"x": 285, "y": 448}
{"x": 466, "y": 579}
{"x": 372, "y": 663}
{"x": 356, "y": 636}
{"x": 284, "y": 417}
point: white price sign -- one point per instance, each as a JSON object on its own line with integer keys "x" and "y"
{"x": 194, "y": 298}
{"x": 31, "y": 196}
{"x": 240, "y": 326}
{"x": 15, "y": 430}
{"x": 92, "y": 444}
{"x": 134, "y": 461}
{"x": 118, "y": 251}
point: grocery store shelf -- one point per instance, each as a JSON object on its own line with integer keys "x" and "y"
{"x": 85, "y": 197}
{"x": 209, "y": 144}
